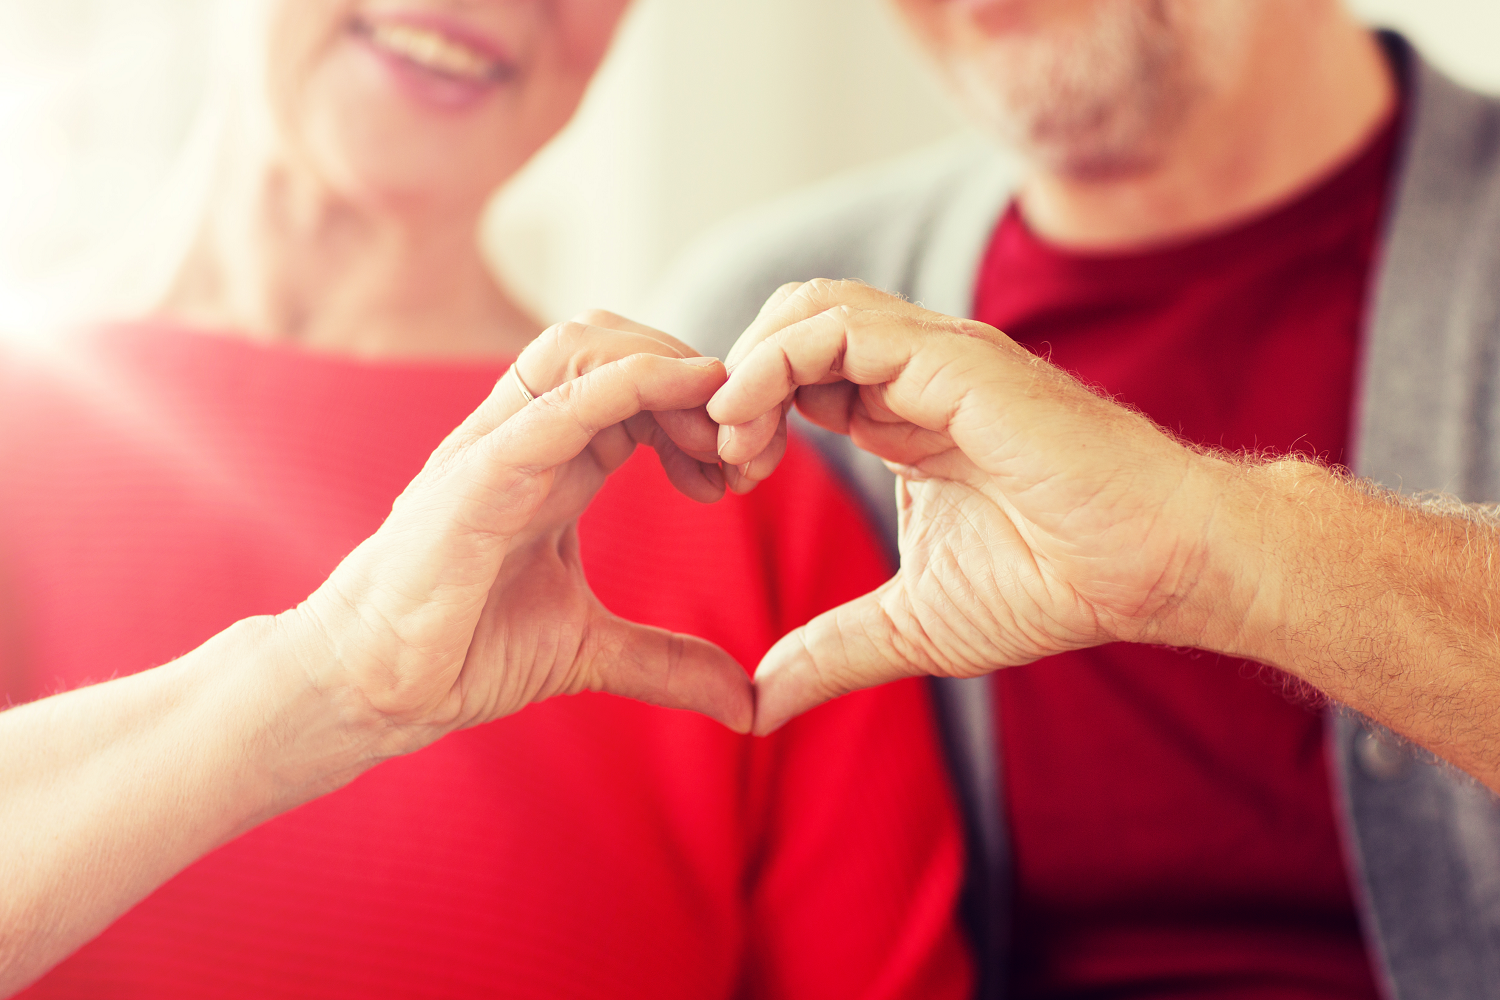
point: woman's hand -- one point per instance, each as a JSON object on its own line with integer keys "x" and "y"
{"x": 470, "y": 602}
{"x": 1035, "y": 516}
{"x": 466, "y": 605}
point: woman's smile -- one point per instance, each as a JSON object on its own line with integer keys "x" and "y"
{"x": 436, "y": 59}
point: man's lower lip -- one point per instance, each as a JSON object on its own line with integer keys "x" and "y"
{"x": 429, "y": 87}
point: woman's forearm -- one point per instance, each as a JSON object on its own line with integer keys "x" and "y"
{"x": 108, "y": 791}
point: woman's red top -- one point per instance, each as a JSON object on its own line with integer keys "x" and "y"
{"x": 157, "y": 484}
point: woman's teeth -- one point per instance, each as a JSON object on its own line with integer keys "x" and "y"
{"x": 433, "y": 51}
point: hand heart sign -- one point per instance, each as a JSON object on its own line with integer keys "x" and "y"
{"x": 470, "y": 602}
{"x": 1035, "y": 515}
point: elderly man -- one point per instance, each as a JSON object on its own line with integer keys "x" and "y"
{"x": 1271, "y": 232}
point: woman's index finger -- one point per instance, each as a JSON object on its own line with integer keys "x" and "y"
{"x": 561, "y": 423}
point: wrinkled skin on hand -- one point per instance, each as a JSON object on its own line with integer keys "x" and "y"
{"x": 470, "y": 601}
{"x": 1035, "y": 516}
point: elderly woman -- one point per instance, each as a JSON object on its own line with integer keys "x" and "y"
{"x": 218, "y": 825}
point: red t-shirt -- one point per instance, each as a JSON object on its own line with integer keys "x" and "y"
{"x": 158, "y": 484}
{"x": 1171, "y": 814}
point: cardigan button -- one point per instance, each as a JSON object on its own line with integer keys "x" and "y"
{"x": 1380, "y": 755}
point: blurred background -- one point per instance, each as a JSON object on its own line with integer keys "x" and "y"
{"x": 704, "y": 108}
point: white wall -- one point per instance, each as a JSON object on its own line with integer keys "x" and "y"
{"x": 704, "y": 108}
{"x": 1462, "y": 36}
{"x": 96, "y": 100}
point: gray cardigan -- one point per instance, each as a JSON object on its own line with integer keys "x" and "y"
{"x": 1424, "y": 841}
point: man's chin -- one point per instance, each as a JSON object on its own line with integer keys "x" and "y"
{"x": 1100, "y": 98}
{"x": 1089, "y": 160}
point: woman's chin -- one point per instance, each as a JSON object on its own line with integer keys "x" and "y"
{"x": 380, "y": 133}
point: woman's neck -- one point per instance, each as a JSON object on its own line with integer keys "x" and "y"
{"x": 280, "y": 259}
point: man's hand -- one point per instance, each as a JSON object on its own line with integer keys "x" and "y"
{"x": 470, "y": 602}
{"x": 1036, "y": 516}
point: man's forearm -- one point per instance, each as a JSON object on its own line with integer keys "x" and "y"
{"x": 108, "y": 791}
{"x": 1385, "y": 604}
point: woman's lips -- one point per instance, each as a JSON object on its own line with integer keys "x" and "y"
{"x": 437, "y": 62}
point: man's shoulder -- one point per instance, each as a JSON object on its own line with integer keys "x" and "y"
{"x": 873, "y": 225}
{"x": 1428, "y": 390}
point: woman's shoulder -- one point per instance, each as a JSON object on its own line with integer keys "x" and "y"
{"x": 87, "y": 362}
{"x": 61, "y": 386}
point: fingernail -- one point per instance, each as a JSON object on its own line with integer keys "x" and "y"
{"x": 700, "y": 362}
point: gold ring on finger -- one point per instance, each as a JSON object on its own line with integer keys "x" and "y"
{"x": 515, "y": 370}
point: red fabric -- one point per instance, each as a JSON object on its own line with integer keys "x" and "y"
{"x": 1172, "y": 814}
{"x": 158, "y": 484}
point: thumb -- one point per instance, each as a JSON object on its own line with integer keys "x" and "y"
{"x": 854, "y": 646}
{"x": 668, "y": 669}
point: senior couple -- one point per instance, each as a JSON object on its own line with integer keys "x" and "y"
{"x": 1264, "y": 232}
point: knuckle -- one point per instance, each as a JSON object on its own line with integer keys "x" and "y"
{"x": 562, "y": 397}
{"x": 598, "y": 317}
{"x": 578, "y": 346}
{"x": 547, "y": 355}
{"x": 632, "y": 365}
{"x": 547, "y": 342}
{"x": 821, "y": 288}
{"x": 836, "y": 289}
{"x": 572, "y": 332}
{"x": 974, "y": 330}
